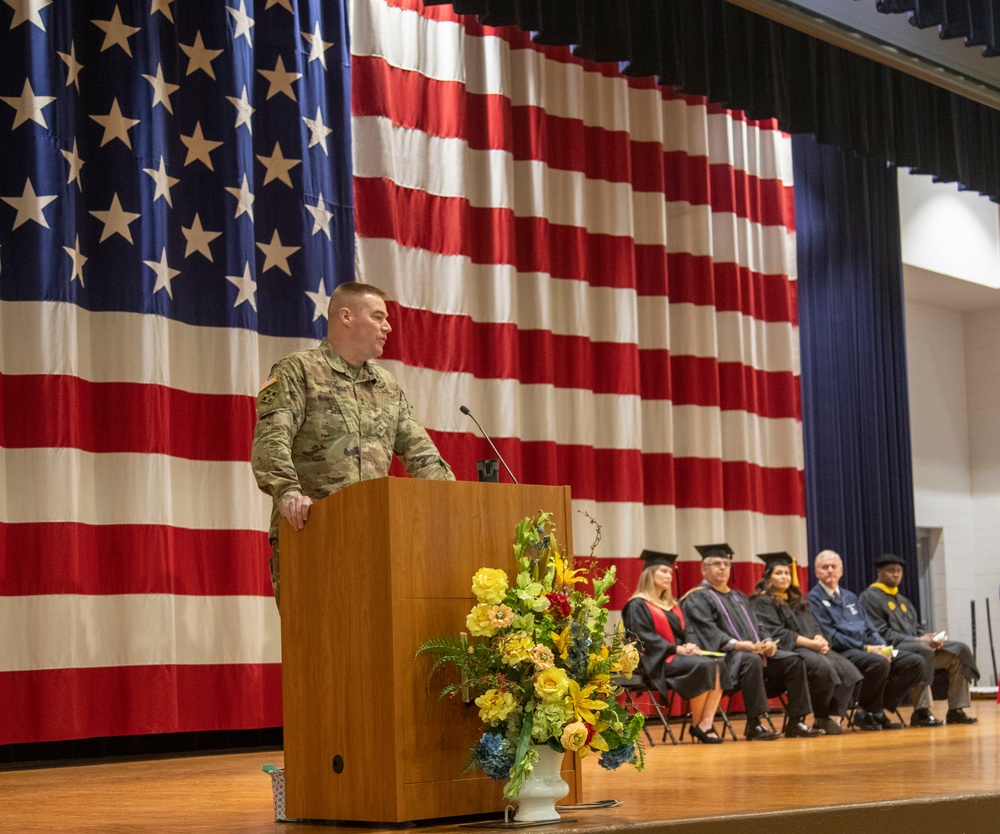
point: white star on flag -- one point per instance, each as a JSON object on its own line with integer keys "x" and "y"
{"x": 200, "y": 58}
{"x": 79, "y": 259}
{"x": 278, "y": 166}
{"x": 116, "y": 220}
{"x": 244, "y": 23}
{"x": 28, "y": 106}
{"x": 321, "y": 300}
{"x": 163, "y": 182}
{"x": 319, "y": 46}
{"x": 246, "y": 285}
{"x": 321, "y": 217}
{"x": 243, "y": 109}
{"x": 28, "y": 11}
{"x": 199, "y": 148}
{"x": 280, "y": 80}
{"x": 75, "y": 165}
{"x": 318, "y": 130}
{"x": 244, "y": 199}
{"x": 162, "y": 6}
{"x": 276, "y": 255}
{"x": 164, "y": 274}
{"x": 116, "y": 125}
{"x": 198, "y": 239}
{"x": 116, "y": 32}
{"x": 73, "y": 65}
{"x": 30, "y": 206}
{"x": 161, "y": 89}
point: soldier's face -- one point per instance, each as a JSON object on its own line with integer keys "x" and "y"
{"x": 370, "y": 326}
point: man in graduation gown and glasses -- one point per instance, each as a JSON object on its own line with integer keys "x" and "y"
{"x": 720, "y": 619}
{"x": 897, "y": 620}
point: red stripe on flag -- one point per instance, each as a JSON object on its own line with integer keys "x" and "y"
{"x": 73, "y": 558}
{"x": 609, "y": 475}
{"x": 59, "y": 704}
{"x": 491, "y": 122}
{"x": 415, "y": 218}
{"x": 52, "y": 410}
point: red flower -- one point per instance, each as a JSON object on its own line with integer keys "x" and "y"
{"x": 590, "y": 731}
{"x": 559, "y": 605}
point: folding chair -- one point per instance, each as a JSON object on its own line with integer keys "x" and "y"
{"x": 638, "y": 685}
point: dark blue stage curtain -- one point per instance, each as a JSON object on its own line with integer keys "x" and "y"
{"x": 855, "y": 405}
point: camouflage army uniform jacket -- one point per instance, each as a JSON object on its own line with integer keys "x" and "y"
{"x": 319, "y": 429}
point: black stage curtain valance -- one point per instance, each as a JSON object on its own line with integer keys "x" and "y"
{"x": 978, "y": 21}
{"x": 746, "y": 62}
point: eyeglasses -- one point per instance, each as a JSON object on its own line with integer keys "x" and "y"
{"x": 718, "y": 563}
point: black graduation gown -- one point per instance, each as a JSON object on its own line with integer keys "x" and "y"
{"x": 715, "y": 619}
{"x": 832, "y": 677}
{"x": 688, "y": 676}
{"x": 896, "y": 619}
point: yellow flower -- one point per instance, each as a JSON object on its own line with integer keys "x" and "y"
{"x": 602, "y": 684}
{"x": 628, "y": 660}
{"x": 542, "y": 657}
{"x": 489, "y": 585}
{"x": 482, "y": 622}
{"x": 552, "y": 684}
{"x": 561, "y": 642}
{"x": 581, "y": 704}
{"x": 574, "y": 737}
{"x": 516, "y": 648}
{"x": 597, "y": 741}
{"x": 494, "y": 706}
{"x": 564, "y": 575}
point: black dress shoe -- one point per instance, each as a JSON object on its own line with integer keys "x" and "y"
{"x": 958, "y": 716}
{"x": 708, "y": 736}
{"x": 887, "y": 723}
{"x": 866, "y": 721}
{"x": 799, "y": 729}
{"x": 755, "y": 731}
{"x": 924, "y": 718}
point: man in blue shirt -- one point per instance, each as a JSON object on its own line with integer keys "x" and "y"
{"x": 887, "y": 678}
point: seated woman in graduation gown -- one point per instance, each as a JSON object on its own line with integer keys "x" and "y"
{"x": 784, "y": 612}
{"x": 669, "y": 660}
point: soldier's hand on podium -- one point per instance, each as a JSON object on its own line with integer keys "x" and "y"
{"x": 296, "y": 510}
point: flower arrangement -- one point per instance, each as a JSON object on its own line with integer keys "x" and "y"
{"x": 541, "y": 662}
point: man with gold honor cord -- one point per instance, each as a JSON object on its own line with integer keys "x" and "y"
{"x": 897, "y": 620}
{"x": 720, "y": 619}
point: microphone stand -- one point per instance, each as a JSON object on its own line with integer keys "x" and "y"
{"x": 465, "y": 410}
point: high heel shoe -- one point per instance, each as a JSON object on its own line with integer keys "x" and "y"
{"x": 708, "y": 736}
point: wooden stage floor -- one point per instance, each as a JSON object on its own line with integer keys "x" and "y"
{"x": 919, "y": 781}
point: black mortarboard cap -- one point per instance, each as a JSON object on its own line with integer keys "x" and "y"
{"x": 778, "y": 558}
{"x": 654, "y": 557}
{"x": 889, "y": 559}
{"x": 707, "y": 551}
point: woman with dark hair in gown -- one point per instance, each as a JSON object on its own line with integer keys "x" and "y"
{"x": 669, "y": 661}
{"x": 784, "y": 611}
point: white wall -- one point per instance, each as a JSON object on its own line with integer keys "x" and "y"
{"x": 982, "y": 351}
{"x": 942, "y": 477}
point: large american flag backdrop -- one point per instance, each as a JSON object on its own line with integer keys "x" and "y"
{"x": 601, "y": 269}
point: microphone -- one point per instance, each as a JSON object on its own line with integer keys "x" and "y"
{"x": 465, "y": 410}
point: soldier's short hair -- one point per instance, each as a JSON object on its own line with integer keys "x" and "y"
{"x": 352, "y": 291}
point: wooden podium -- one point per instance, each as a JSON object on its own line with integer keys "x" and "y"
{"x": 380, "y": 567}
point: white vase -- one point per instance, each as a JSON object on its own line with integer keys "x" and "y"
{"x": 542, "y": 788}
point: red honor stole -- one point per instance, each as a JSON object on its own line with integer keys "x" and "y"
{"x": 662, "y": 624}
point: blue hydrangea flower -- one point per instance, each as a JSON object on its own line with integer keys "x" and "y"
{"x": 494, "y": 756}
{"x": 615, "y": 758}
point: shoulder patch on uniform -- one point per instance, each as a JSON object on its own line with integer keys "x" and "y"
{"x": 268, "y": 382}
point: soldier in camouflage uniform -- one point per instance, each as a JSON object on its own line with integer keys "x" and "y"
{"x": 327, "y": 417}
